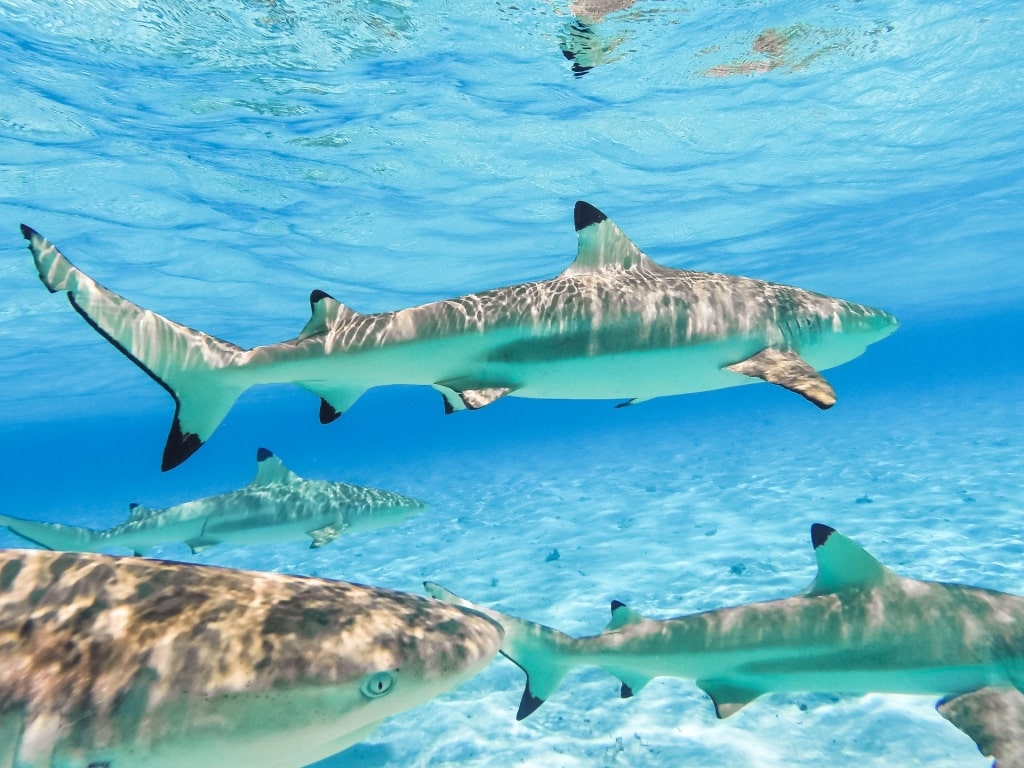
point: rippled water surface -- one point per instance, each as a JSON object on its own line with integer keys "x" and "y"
{"x": 216, "y": 161}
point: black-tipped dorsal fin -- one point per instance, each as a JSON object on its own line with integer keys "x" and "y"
{"x": 602, "y": 245}
{"x": 622, "y": 615}
{"x": 842, "y": 563}
{"x": 138, "y": 512}
{"x": 325, "y": 310}
{"x": 270, "y": 469}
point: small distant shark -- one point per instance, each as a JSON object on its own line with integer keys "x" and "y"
{"x": 859, "y": 628}
{"x": 115, "y": 662}
{"x": 276, "y": 506}
{"x": 613, "y": 325}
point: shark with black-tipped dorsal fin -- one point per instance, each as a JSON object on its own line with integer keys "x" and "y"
{"x": 613, "y": 325}
{"x": 858, "y": 628}
{"x": 277, "y": 506}
{"x": 122, "y": 662}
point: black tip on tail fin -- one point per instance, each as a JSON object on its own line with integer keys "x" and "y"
{"x": 263, "y": 454}
{"x": 180, "y": 445}
{"x": 528, "y": 704}
{"x": 820, "y": 534}
{"x": 585, "y": 214}
{"x": 328, "y": 412}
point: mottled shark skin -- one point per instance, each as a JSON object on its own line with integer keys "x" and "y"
{"x": 858, "y": 628}
{"x": 277, "y": 506}
{"x": 613, "y": 325}
{"x": 114, "y": 662}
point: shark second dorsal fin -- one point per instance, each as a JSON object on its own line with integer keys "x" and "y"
{"x": 842, "y": 563}
{"x": 270, "y": 469}
{"x": 602, "y": 245}
{"x": 324, "y": 311}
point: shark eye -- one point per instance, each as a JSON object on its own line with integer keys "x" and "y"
{"x": 378, "y": 684}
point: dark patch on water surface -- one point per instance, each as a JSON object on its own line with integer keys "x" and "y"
{"x": 9, "y": 573}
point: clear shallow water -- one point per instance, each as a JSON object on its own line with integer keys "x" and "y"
{"x": 216, "y": 162}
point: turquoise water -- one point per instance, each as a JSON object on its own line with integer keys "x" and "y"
{"x": 217, "y": 161}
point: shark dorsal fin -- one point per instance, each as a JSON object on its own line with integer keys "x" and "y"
{"x": 602, "y": 245}
{"x": 139, "y": 512}
{"x": 324, "y": 311}
{"x": 270, "y": 469}
{"x": 622, "y": 615}
{"x": 842, "y": 563}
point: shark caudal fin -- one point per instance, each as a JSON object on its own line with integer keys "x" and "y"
{"x": 63, "y": 538}
{"x": 544, "y": 654}
{"x": 184, "y": 361}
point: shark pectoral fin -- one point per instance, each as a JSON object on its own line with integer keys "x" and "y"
{"x": 842, "y": 563}
{"x": 993, "y": 718}
{"x": 458, "y": 396}
{"x": 325, "y": 534}
{"x": 198, "y": 545}
{"x": 788, "y": 370}
{"x": 334, "y": 401}
{"x": 325, "y": 310}
{"x": 727, "y": 698}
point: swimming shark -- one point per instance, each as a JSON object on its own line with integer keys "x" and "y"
{"x": 613, "y": 325}
{"x": 858, "y": 628}
{"x": 276, "y": 506}
{"x": 121, "y": 662}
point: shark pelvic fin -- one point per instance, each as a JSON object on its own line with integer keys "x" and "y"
{"x": 788, "y": 370}
{"x": 460, "y": 397}
{"x": 842, "y": 563}
{"x": 727, "y": 698}
{"x": 602, "y": 245}
{"x": 270, "y": 469}
{"x": 325, "y": 534}
{"x": 325, "y": 310}
{"x": 622, "y": 615}
{"x": 993, "y": 718}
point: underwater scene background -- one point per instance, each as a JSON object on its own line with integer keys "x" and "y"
{"x": 215, "y": 161}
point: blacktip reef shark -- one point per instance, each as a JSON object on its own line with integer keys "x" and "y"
{"x": 859, "y": 628}
{"x": 276, "y": 506}
{"x": 115, "y": 662}
{"x": 613, "y": 325}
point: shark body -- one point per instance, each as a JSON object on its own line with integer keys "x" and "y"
{"x": 276, "y": 506}
{"x": 613, "y": 325}
{"x": 130, "y": 663}
{"x": 859, "y": 628}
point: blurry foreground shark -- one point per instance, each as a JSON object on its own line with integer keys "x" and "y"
{"x": 276, "y": 506}
{"x": 858, "y": 628}
{"x": 614, "y": 324}
{"x": 128, "y": 663}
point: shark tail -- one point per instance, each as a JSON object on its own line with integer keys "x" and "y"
{"x": 189, "y": 364}
{"x": 543, "y": 653}
{"x": 63, "y": 538}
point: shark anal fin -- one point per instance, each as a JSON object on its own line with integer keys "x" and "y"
{"x": 993, "y": 718}
{"x": 727, "y": 697}
{"x": 325, "y": 535}
{"x": 333, "y": 401}
{"x": 458, "y": 397}
{"x": 790, "y": 371}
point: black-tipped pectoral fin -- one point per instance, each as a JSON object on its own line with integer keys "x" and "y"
{"x": 993, "y": 718}
{"x": 787, "y": 369}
